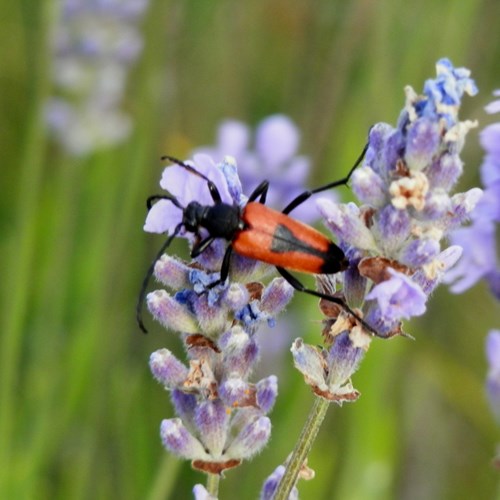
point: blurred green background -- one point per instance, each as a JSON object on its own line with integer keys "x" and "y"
{"x": 79, "y": 410}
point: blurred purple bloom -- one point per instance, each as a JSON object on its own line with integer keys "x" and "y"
{"x": 480, "y": 258}
{"x": 272, "y": 157}
{"x": 95, "y": 44}
{"x": 493, "y": 378}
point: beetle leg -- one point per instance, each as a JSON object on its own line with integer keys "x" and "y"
{"x": 200, "y": 247}
{"x": 301, "y": 288}
{"x": 224, "y": 269}
{"x": 260, "y": 190}
{"x": 298, "y": 200}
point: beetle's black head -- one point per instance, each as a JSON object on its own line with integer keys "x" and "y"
{"x": 192, "y": 216}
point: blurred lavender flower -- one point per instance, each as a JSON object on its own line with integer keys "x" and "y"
{"x": 96, "y": 43}
{"x": 493, "y": 379}
{"x": 393, "y": 240}
{"x": 480, "y": 258}
{"x": 273, "y": 157}
{"x": 221, "y": 415}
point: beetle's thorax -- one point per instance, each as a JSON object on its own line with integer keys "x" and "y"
{"x": 220, "y": 220}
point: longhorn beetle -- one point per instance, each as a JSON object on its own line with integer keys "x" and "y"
{"x": 260, "y": 233}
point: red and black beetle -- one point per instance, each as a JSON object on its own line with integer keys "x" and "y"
{"x": 259, "y": 232}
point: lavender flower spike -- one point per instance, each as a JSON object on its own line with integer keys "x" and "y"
{"x": 95, "y": 45}
{"x": 222, "y": 415}
{"x": 404, "y": 183}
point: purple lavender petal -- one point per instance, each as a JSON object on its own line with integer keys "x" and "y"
{"x": 398, "y": 297}
{"x": 163, "y": 217}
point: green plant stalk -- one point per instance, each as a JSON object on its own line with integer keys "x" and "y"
{"x": 213, "y": 484}
{"x": 302, "y": 448}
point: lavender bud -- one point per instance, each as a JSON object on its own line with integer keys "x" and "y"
{"x": 212, "y": 420}
{"x": 345, "y": 222}
{"x": 172, "y": 272}
{"x": 354, "y": 284}
{"x": 179, "y": 441}
{"x": 343, "y": 360}
{"x": 419, "y": 252}
{"x": 422, "y": 143}
{"x": 462, "y": 205}
{"x": 251, "y": 439}
{"x": 311, "y": 363}
{"x": 276, "y": 296}
{"x": 167, "y": 369}
{"x": 368, "y": 186}
{"x": 240, "y": 351}
{"x": 184, "y": 404}
{"x": 236, "y": 296}
{"x": 392, "y": 227}
{"x": 234, "y": 392}
{"x": 445, "y": 171}
{"x": 170, "y": 313}
{"x": 267, "y": 392}
{"x": 437, "y": 205}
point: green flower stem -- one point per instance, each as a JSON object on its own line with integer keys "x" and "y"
{"x": 213, "y": 484}
{"x": 302, "y": 448}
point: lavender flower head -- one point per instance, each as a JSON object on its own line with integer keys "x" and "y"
{"x": 273, "y": 157}
{"x": 394, "y": 239}
{"x": 222, "y": 416}
{"x": 96, "y": 43}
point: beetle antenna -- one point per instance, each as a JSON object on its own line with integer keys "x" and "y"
{"x": 149, "y": 273}
{"x": 183, "y": 164}
{"x": 214, "y": 192}
{"x": 173, "y": 199}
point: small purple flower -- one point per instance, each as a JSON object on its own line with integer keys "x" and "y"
{"x": 397, "y": 298}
